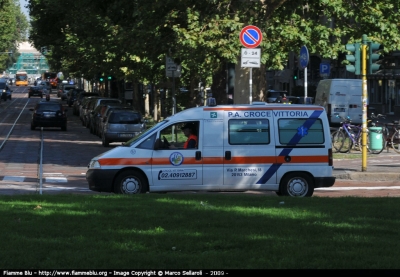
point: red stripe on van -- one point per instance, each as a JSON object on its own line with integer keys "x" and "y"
{"x": 214, "y": 160}
{"x": 166, "y": 161}
{"x": 251, "y": 160}
{"x": 125, "y": 161}
{"x": 304, "y": 159}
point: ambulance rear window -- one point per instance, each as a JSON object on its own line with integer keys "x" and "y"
{"x": 251, "y": 131}
{"x": 294, "y": 131}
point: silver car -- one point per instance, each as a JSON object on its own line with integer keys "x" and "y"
{"x": 121, "y": 126}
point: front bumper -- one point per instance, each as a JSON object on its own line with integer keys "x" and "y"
{"x": 101, "y": 179}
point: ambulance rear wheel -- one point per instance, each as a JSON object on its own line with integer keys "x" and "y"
{"x": 297, "y": 184}
{"x": 130, "y": 182}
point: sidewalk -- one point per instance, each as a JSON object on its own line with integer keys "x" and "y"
{"x": 382, "y": 167}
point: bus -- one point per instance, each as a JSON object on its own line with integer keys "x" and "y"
{"x": 21, "y": 78}
{"x": 51, "y": 77}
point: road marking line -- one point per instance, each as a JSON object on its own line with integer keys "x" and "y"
{"x": 358, "y": 188}
{"x": 56, "y": 180}
{"x": 14, "y": 178}
{"x": 34, "y": 188}
{"x": 52, "y": 174}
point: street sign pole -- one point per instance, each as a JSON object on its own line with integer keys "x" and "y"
{"x": 250, "y": 37}
{"x": 364, "y": 101}
{"x": 171, "y": 68}
{"x": 251, "y": 86}
{"x": 305, "y": 85}
{"x": 304, "y": 58}
{"x": 173, "y": 94}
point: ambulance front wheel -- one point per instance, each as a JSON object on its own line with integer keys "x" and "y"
{"x": 130, "y": 182}
{"x": 297, "y": 184}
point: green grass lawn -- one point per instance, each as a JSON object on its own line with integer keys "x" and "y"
{"x": 198, "y": 231}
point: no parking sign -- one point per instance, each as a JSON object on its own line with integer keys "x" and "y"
{"x": 250, "y": 36}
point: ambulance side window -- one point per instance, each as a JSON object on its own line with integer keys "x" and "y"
{"x": 297, "y": 131}
{"x": 176, "y": 137}
{"x": 148, "y": 143}
{"x": 249, "y": 131}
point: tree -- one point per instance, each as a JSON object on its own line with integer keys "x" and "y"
{"x": 130, "y": 39}
{"x": 13, "y": 26}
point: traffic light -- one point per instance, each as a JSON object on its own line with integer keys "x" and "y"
{"x": 374, "y": 57}
{"x": 101, "y": 79}
{"x": 109, "y": 78}
{"x": 295, "y": 74}
{"x": 301, "y": 74}
{"x": 354, "y": 58}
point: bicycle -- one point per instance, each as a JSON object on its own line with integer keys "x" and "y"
{"x": 393, "y": 138}
{"x": 347, "y": 137}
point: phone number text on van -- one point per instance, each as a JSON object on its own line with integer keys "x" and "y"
{"x": 183, "y": 174}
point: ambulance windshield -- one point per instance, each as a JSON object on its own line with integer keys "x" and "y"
{"x": 145, "y": 133}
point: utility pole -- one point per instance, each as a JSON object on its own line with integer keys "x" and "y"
{"x": 364, "y": 101}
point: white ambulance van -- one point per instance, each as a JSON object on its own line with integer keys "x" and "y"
{"x": 259, "y": 147}
{"x": 341, "y": 97}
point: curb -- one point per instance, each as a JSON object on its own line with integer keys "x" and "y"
{"x": 368, "y": 176}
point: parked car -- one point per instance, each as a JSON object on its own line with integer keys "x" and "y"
{"x": 78, "y": 101}
{"x": 84, "y": 108}
{"x": 49, "y": 114}
{"x": 121, "y": 126}
{"x": 72, "y": 94}
{"x": 94, "y": 115}
{"x": 5, "y": 90}
{"x": 35, "y": 91}
{"x": 99, "y": 125}
{"x": 93, "y": 104}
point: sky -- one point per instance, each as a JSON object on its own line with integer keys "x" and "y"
{"x": 23, "y": 3}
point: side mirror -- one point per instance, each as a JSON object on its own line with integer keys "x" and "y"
{"x": 158, "y": 144}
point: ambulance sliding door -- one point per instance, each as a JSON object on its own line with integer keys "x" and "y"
{"x": 213, "y": 134}
{"x": 249, "y": 152}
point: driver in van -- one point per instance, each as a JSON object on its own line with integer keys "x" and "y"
{"x": 189, "y": 130}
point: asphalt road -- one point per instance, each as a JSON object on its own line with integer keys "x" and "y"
{"x": 65, "y": 156}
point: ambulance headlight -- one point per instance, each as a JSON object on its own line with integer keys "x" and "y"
{"x": 94, "y": 164}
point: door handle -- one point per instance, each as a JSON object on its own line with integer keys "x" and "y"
{"x": 198, "y": 155}
{"x": 228, "y": 155}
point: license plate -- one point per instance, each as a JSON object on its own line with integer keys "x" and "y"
{"x": 49, "y": 114}
{"x": 125, "y": 135}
